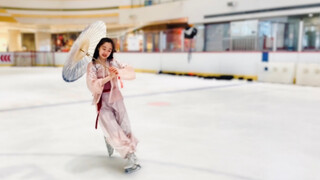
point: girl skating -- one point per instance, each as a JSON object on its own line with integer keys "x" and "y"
{"x": 102, "y": 80}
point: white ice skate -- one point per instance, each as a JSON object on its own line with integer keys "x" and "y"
{"x": 109, "y": 147}
{"x": 132, "y": 164}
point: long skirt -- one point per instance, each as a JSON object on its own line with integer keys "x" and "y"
{"x": 114, "y": 122}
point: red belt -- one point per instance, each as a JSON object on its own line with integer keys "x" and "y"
{"x": 106, "y": 90}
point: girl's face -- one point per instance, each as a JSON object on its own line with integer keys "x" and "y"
{"x": 105, "y": 50}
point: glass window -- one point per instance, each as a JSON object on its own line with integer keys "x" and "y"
{"x": 217, "y": 37}
{"x": 292, "y": 34}
{"x": 189, "y": 43}
{"x": 152, "y": 42}
{"x": 279, "y": 34}
{"x": 131, "y": 42}
{"x": 311, "y": 32}
{"x": 173, "y": 39}
{"x": 265, "y": 36}
{"x": 311, "y": 37}
{"x": 244, "y": 35}
{"x": 200, "y": 38}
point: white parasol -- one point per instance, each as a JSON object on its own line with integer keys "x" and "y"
{"x": 82, "y": 51}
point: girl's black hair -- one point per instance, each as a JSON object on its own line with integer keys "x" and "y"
{"x": 102, "y": 41}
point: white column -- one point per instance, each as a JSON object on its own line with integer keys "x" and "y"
{"x": 4, "y": 41}
{"x": 274, "y": 35}
{"x": 301, "y": 32}
{"x": 15, "y": 42}
{"x": 43, "y": 41}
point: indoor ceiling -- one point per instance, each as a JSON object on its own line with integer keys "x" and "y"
{"x": 72, "y": 15}
{"x": 63, "y": 15}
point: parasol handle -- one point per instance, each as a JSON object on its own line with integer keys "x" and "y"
{"x": 87, "y": 54}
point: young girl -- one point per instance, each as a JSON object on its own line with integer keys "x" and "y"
{"x": 102, "y": 80}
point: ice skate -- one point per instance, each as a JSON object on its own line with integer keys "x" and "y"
{"x": 132, "y": 164}
{"x": 109, "y": 147}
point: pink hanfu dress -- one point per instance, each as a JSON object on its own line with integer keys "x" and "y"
{"x": 112, "y": 116}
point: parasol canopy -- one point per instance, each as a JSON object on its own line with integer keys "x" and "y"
{"x": 82, "y": 51}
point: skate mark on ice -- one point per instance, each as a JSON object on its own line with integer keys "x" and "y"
{"x": 27, "y": 171}
{"x": 211, "y": 171}
{"x": 49, "y": 154}
{"x": 167, "y": 164}
{"x": 127, "y": 96}
{"x": 186, "y": 90}
{"x": 45, "y": 106}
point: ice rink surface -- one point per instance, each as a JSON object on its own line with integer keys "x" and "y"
{"x": 188, "y": 127}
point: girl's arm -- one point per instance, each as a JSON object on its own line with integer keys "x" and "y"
{"x": 108, "y": 78}
{"x": 95, "y": 84}
{"x": 125, "y": 72}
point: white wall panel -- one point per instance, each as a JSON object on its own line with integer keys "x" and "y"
{"x": 309, "y": 57}
{"x": 238, "y": 63}
{"x": 277, "y": 72}
{"x": 283, "y": 57}
{"x": 308, "y": 74}
{"x": 204, "y": 63}
{"x": 143, "y": 61}
{"x": 175, "y": 62}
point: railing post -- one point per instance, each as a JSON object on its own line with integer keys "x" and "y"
{"x": 182, "y": 41}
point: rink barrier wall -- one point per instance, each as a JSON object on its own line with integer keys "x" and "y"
{"x": 277, "y": 72}
{"x": 45, "y": 59}
{"x": 6, "y": 59}
{"x": 302, "y": 68}
{"x": 27, "y": 59}
{"x": 220, "y": 65}
{"x": 146, "y": 71}
{"x": 308, "y": 74}
{"x": 211, "y": 76}
{"x": 282, "y": 67}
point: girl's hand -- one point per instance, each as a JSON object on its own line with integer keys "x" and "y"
{"x": 113, "y": 70}
{"x": 112, "y": 75}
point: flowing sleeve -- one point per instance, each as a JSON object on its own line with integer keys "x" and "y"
{"x": 94, "y": 84}
{"x": 126, "y": 72}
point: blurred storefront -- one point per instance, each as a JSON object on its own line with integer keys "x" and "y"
{"x": 289, "y": 33}
{"x": 266, "y": 34}
{"x": 62, "y": 42}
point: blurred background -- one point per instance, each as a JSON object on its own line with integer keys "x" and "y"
{"x": 225, "y": 89}
{"x": 273, "y": 41}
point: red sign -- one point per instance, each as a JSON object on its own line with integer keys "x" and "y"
{"x": 5, "y": 57}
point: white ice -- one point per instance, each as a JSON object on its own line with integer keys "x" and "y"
{"x": 189, "y": 128}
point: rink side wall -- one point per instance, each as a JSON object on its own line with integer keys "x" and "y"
{"x": 302, "y": 68}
